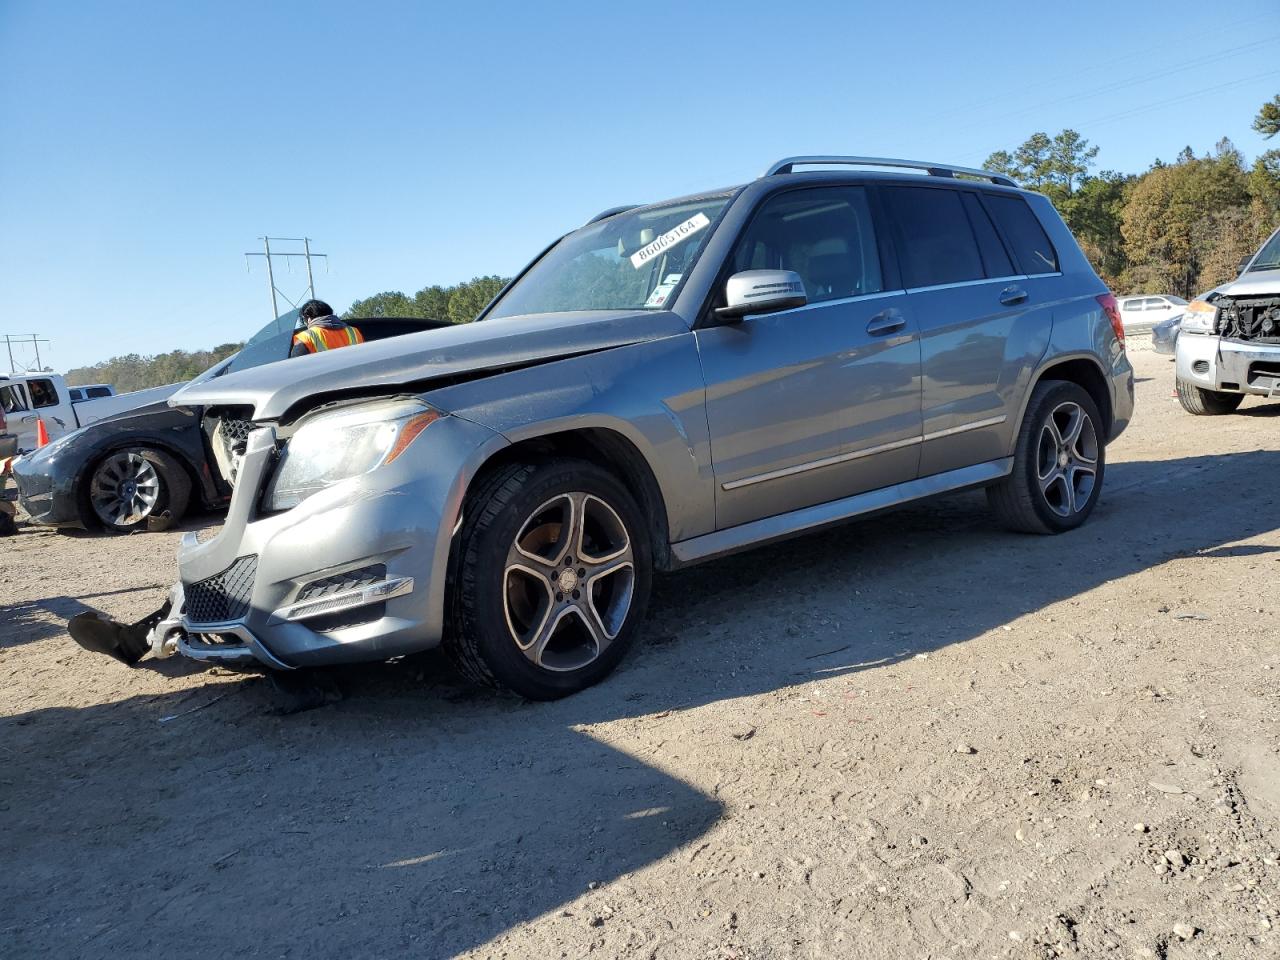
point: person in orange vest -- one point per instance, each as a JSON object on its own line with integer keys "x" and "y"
{"x": 323, "y": 331}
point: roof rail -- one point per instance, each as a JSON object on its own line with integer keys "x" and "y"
{"x": 613, "y": 211}
{"x": 933, "y": 169}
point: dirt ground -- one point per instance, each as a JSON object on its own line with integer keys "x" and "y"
{"x": 917, "y": 736}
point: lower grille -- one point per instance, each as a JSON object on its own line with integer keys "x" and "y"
{"x": 224, "y": 596}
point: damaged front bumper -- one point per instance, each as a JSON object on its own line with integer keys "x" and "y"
{"x": 1227, "y": 365}
{"x": 354, "y": 573}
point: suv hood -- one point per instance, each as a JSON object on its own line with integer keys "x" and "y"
{"x": 415, "y": 359}
{"x": 1253, "y": 284}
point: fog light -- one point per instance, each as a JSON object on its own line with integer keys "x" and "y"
{"x": 346, "y": 600}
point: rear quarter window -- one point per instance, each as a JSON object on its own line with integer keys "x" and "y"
{"x": 1026, "y": 238}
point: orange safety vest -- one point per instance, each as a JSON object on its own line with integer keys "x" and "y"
{"x": 316, "y": 339}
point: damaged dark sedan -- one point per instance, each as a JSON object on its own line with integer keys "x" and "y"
{"x": 147, "y": 467}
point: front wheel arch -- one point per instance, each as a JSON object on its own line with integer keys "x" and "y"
{"x": 608, "y": 449}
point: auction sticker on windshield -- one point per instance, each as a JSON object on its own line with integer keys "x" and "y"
{"x": 677, "y": 234}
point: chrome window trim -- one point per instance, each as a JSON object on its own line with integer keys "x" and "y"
{"x": 967, "y": 283}
{"x": 828, "y": 303}
{"x": 859, "y": 454}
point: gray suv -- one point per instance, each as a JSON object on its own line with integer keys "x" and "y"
{"x": 668, "y": 383}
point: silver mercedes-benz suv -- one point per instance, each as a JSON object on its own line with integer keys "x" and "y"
{"x": 668, "y": 383}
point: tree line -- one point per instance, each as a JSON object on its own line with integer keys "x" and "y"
{"x": 1181, "y": 227}
{"x": 460, "y": 303}
{"x": 136, "y": 372}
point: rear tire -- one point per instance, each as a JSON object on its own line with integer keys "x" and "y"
{"x": 1207, "y": 403}
{"x": 127, "y": 488}
{"x": 551, "y": 579}
{"x": 1058, "y": 465}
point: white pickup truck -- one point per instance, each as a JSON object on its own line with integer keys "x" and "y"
{"x": 1229, "y": 342}
{"x": 28, "y": 397}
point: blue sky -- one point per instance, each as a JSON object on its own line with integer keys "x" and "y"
{"x": 145, "y": 146}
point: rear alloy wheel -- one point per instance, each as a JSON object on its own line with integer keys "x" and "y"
{"x": 1207, "y": 403}
{"x": 552, "y": 577}
{"x": 129, "y": 487}
{"x": 1058, "y": 463}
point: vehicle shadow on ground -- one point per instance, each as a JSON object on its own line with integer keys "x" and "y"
{"x": 472, "y": 813}
{"x": 1262, "y": 410}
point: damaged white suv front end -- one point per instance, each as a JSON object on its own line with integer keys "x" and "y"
{"x": 1229, "y": 345}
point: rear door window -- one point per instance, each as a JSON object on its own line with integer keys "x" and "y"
{"x": 1027, "y": 239}
{"x": 994, "y": 256}
{"x": 937, "y": 243}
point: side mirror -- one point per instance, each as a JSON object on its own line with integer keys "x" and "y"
{"x": 761, "y": 291}
{"x": 1244, "y": 262}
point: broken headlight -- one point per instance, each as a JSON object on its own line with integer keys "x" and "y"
{"x": 1199, "y": 317}
{"x": 344, "y": 443}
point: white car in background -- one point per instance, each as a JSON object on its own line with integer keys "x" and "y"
{"x": 1140, "y": 313}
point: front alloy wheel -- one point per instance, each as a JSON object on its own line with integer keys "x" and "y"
{"x": 125, "y": 490}
{"x": 550, "y": 578}
{"x": 569, "y": 579}
{"x": 128, "y": 488}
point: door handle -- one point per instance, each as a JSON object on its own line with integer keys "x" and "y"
{"x": 1011, "y": 295}
{"x": 886, "y": 321}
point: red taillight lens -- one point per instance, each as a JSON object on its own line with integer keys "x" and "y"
{"x": 1112, "y": 309}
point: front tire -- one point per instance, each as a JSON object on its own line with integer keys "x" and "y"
{"x": 551, "y": 579}
{"x": 1058, "y": 464}
{"x": 1207, "y": 403}
{"x": 127, "y": 488}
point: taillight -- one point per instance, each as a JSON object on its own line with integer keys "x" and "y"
{"x": 1112, "y": 309}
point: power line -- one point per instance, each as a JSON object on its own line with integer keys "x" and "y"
{"x": 1196, "y": 39}
{"x": 1123, "y": 84}
{"x": 1158, "y": 104}
{"x": 1168, "y": 101}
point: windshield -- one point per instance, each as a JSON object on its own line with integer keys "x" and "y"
{"x": 268, "y": 345}
{"x": 631, "y": 261}
{"x": 1268, "y": 257}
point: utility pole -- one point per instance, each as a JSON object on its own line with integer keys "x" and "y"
{"x": 305, "y": 253}
{"x": 21, "y": 338}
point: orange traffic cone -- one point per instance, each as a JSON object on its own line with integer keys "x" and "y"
{"x": 42, "y": 433}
